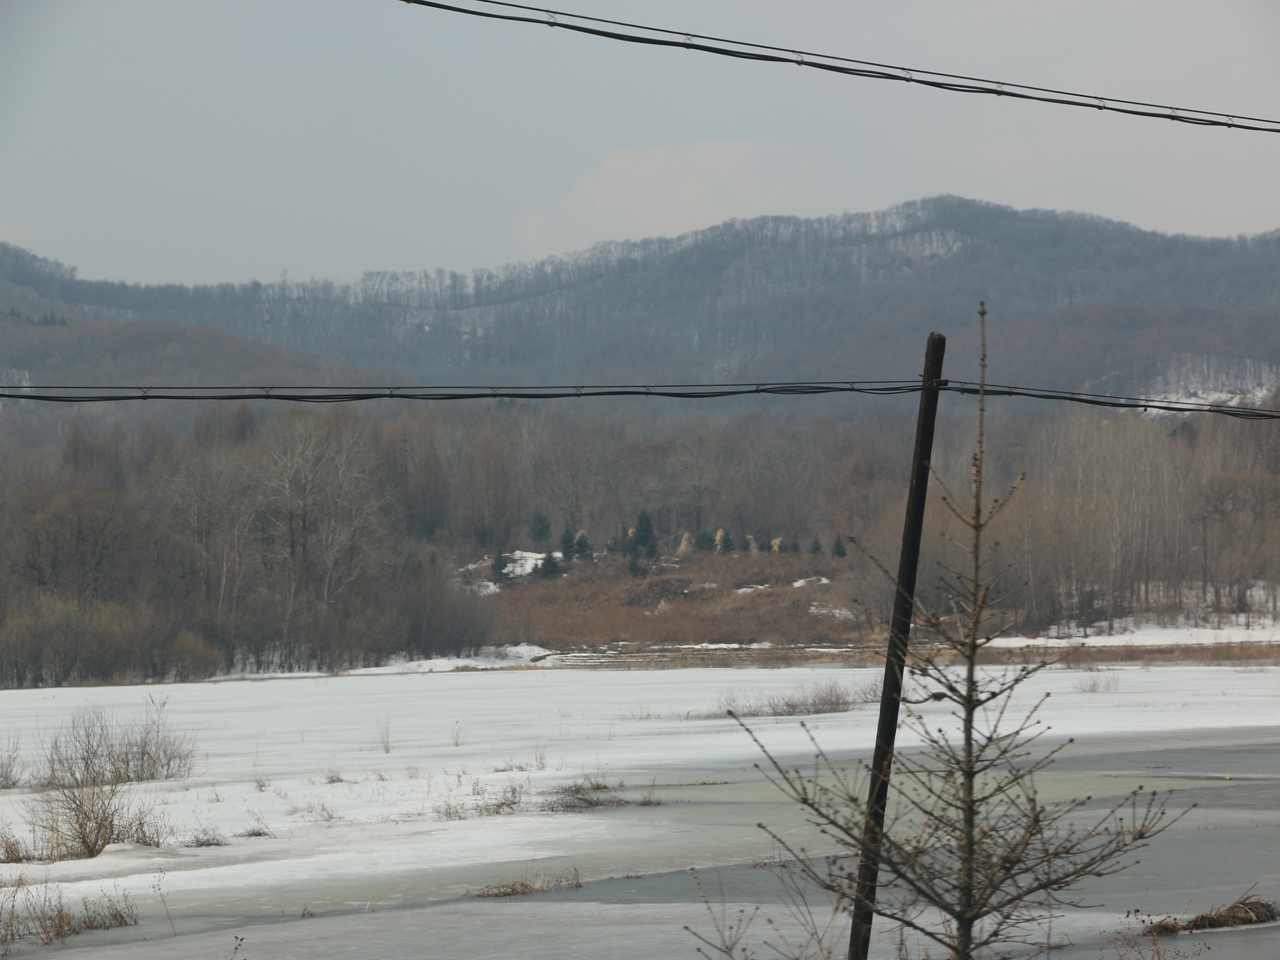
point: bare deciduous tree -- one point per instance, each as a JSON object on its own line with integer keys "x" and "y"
{"x": 973, "y": 859}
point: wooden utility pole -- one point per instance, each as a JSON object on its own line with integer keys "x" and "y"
{"x": 864, "y": 897}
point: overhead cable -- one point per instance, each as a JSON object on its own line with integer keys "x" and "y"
{"x": 678, "y": 391}
{"x": 625, "y": 32}
{"x": 303, "y": 394}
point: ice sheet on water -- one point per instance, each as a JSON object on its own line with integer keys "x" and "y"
{"x": 356, "y": 821}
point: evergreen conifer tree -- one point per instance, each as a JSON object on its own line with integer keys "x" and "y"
{"x": 539, "y": 528}
{"x": 645, "y": 541}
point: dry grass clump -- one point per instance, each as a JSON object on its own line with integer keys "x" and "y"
{"x": 206, "y": 836}
{"x": 486, "y": 803}
{"x": 828, "y": 696}
{"x": 572, "y": 798}
{"x": 511, "y": 888}
{"x": 525, "y": 885}
{"x": 39, "y": 914}
{"x": 258, "y": 828}
{"x": 590, "y": 793}
{"x": 1249, "y": 909}
{"x": 507, "y": 801}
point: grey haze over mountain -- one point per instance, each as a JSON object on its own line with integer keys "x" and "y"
{"x": 1075, "y": 302}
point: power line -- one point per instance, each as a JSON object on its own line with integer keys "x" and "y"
{"x": 311, "y": 394}
{"x": 867, "y": 69}
{"x": 677, "y": 391}
{"x": 1144, "y": 404}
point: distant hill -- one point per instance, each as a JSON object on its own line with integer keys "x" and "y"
{"x": 1076, "y": 301}
{"x": 47, "y": 341}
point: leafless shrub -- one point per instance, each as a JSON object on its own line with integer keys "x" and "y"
{"x": 94, "y": 746}
{"x": 11, "y": 766}
{"x": 75, "y": 821}
{"x": 334, "y": 776}
{"x": 1098, "y": 683}
{"x": 39, "y": 914}
{"x": 82, "y": 804}
{"x": 144, "y": 826}
{"x": 384, "y": 733}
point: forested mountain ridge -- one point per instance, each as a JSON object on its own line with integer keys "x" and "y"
{"x": 1076, "y": 301}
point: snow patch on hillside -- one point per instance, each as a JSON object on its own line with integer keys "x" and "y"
{"x": 1228, "y": 381}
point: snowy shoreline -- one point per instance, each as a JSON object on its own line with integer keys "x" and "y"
{"x": 364, "y": 823}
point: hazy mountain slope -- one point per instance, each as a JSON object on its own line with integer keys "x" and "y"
{"x": 1075, "y": 300}
{"x": 45, "y": 341}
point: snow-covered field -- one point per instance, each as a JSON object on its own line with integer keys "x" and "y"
{"x": 392, "y": 797}
{"x": 1147, "y": 635}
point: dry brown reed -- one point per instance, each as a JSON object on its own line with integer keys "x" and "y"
{"x": 1249, "y": 909}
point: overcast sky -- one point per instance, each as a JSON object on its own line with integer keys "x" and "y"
{"x": 213, "y": 140}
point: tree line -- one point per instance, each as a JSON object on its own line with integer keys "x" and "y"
{"x": 296, "y": 539}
